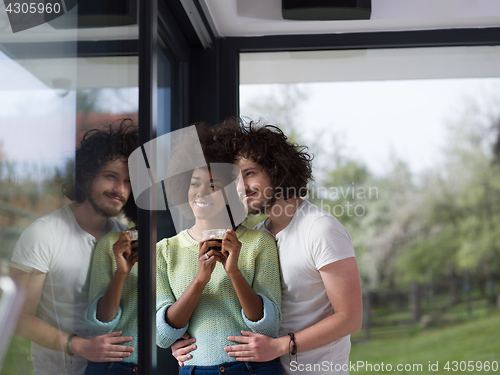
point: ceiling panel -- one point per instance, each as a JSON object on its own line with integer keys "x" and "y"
{"x": 263, "y": 17}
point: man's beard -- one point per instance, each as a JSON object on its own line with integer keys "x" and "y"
{"x": 262, "y": 207}
{"x": 106, "y": 211}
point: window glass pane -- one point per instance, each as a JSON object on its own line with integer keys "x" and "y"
{"x": 164, "y": 92}
{"x": 165, "y": 228}
{"x": 59, "y": 81}
{"x": 406, "y": 145}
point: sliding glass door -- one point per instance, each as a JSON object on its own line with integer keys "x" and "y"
{"x": 406, "y": 144}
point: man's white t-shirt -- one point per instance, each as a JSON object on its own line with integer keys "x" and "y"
{"x": 56, "y": 245}
{"x": 313, "y": 239}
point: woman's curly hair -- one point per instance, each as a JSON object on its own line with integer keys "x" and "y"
{"x": 288, "y": 165}
{"x": 97, "y": 148}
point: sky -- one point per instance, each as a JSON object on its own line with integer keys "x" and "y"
{"x": 37, "y": 122}
{"x": 375, "y": 121}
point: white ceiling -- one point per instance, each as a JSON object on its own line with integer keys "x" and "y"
{"x": 370, "y": 65}
{"x": 263, "y": 17}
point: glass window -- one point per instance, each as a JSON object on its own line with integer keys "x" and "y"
{"x": 406, "y": 156}
{"x": 59, "y": 80}
{"x": 165, "y": 227}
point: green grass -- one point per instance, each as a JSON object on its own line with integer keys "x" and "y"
{"x": 388, "y": 323}
{"x": 475, "y": 340}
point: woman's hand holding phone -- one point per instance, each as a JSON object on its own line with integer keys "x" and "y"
{"x": 207, "y": 259}
{"x": 231, "y": 248}
{"x": 125, "y": 252}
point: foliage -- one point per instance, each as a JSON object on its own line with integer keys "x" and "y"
{"x": 435, "y": 226}
{"x": 18, "y": 358}
{"x": 462, "y": 206}
{"x": 391, "y": 223}
{"x": 280, "y": 108}
{"x": 26, "y": 193}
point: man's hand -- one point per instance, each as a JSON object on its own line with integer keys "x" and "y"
{"x": 254, "y": 347}
{"x": 103, "y": 348}
{"x": 182, "y": 347}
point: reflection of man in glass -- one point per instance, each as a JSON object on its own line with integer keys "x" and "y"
{"x": 52, "y": 258}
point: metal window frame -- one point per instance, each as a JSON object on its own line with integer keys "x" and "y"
{"x": 148, "y": 72}
{"x": 158, "y": 28}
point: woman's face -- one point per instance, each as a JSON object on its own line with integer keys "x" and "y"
{"x": 205, "y": 196}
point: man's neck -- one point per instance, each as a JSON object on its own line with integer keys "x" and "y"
{"x": 89, "y": 220}
{"x": 281, "y": 214}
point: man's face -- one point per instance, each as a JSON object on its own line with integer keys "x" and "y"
{"x": 258, "y": 190}
{"x": 111, "y": 188}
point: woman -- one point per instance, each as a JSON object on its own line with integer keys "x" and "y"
{"x": 211, "y": 293}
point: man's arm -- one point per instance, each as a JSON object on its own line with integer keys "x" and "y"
{"x": 97, "y": 349}
{"x": 343, "y": 287}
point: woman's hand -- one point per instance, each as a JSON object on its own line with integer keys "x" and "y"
{"x": 207, "y": 260}
{"x": 254, "y": 347}
{"x": 125, "y": 252}
{"x": 231, "y": 247}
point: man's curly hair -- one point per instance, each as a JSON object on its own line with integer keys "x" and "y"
{"x": 288, "y": 165}
{"x": 97, "y": 148}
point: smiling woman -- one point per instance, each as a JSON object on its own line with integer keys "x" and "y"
{"x": 205, "y": 197}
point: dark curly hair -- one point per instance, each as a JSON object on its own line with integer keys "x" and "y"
{"x": 97, "y": 148}
{"x": 177, "y": 186}
{"x": 288, "y": 165}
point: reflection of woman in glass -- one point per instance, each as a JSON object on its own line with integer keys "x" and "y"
{"x": 214, "y": 294}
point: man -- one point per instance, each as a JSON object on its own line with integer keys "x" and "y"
{"x": 52, "y": 258}
{"x": 321, "y": 291}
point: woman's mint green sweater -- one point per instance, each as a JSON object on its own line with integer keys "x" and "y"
{"x": 218, "y": 313}
{"x": 103, "y": 269}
